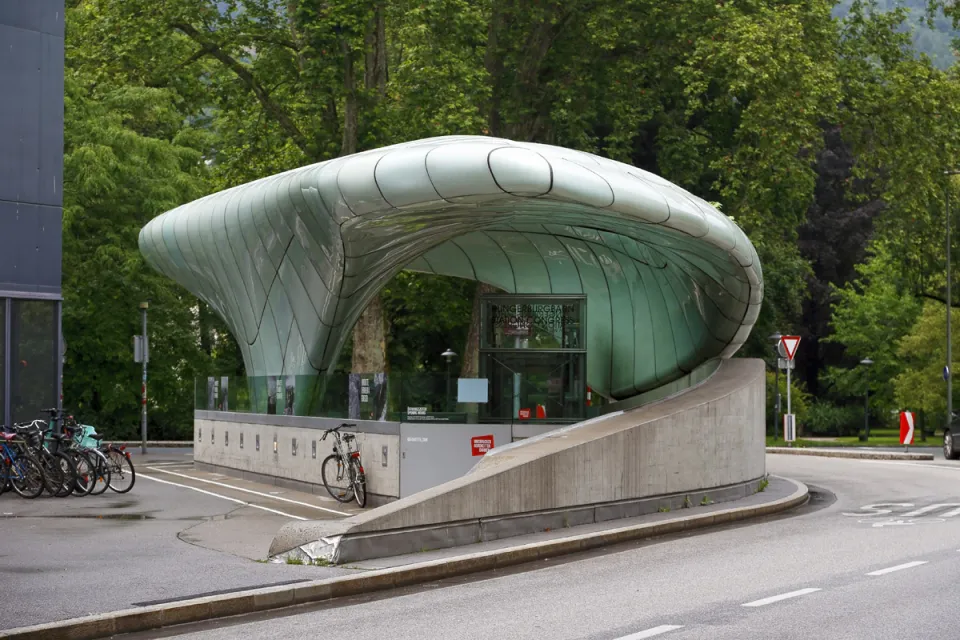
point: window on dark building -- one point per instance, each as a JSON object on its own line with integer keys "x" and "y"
{"x": 33, "y": 358}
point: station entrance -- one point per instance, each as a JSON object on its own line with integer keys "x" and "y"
{"x": 533, "y": 352}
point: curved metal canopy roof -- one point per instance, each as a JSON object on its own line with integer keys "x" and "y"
{"x": 290, "y": 261}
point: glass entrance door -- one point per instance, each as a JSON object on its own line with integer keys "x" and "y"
{"x": 532, "y": 352}
{"x": 534, "y": 385}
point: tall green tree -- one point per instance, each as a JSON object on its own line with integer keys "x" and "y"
{"x": 127, "y": 158}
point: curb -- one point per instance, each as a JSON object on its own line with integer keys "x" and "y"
{"x": 257, "y": 600}
{"x": 863, "y": 455}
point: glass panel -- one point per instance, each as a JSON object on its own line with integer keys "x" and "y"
{"x": 545, "y": 387}
{"x": 533, "y": 325}
{"x": 33, "y": 358}
{"x": 3, "y": 354}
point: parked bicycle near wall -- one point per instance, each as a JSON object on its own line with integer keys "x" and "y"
{"x": 112, "y": 464}
{"x": 342, "y": 471}
{"x": 59, "y": 469}
{"x": 19, "y": 469}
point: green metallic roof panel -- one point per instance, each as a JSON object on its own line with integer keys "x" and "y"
{"x": 290, "y": 261}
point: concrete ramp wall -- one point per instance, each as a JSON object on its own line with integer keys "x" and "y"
{"x": 708, "y": 440}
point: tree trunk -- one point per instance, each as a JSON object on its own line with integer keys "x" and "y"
{"x": 493, "y": 62}
{"x": 204, "y": 328}
{"x": 375, "y": 75}
{"x": 370, "y": 332}
{"x": 370, "y": 340}
{"x": 350, "y": 103}
{"x": 470, "y": 367}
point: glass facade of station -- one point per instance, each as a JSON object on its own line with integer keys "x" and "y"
{"x": 533, "y": 353}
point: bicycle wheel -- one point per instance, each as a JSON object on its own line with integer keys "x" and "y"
{"x": 359, "y": 482}
{"x": 86, "y": 474}
{"x": 69, "y": 468}
{"x": 122, "y": 475}
{"x": 336, "y": 478}
{"x": 26, "y": 477}
{"x": 52, "y": 473}
{"x": 101, "y": 473}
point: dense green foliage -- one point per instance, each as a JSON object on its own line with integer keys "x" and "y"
{"x": 824, "y": 137}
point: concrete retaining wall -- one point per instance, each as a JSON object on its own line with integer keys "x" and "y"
{"x": 217, "y": 442}
{"x": 710, "y": 436}
{"x": 424, "y": 454}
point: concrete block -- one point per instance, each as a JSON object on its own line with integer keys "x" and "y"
{"x": 187, "y": 611}
{"x": 312, "y": 592}
{"x": 232, "y": 604}
{"x": 439, "y": 569}
{"x": 508, "y": 526}
{"x": 521, "y": 554}
{"x": 273, "y": 598}
{"x": 146, "y": 618}
{"x": 356, "y": 547}
{"x": 362, "y": 583}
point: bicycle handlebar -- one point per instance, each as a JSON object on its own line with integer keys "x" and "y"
{"x": 336, "y": 429}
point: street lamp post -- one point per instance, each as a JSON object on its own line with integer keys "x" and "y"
{"x": 143, "y": 390}
{"x": 776, "y": 376}
{"x": 866, "y": 402}
{"x": 449, "y": 354}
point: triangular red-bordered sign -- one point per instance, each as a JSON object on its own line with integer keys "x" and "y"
{"x": 790, "y": 344}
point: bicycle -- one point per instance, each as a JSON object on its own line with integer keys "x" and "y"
{"x": 342, "y": 471}
{"x": 93, "y": 467}
{"x": 59, "y": 469}
{"x": 115, "y": 468}
{"x": 19, "y": 470}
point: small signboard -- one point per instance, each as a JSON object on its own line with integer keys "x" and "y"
{"x": 479, "y": 445}
{"x": 789, "y": 427}
{"x": 906, "y": 427}
{"x": 523, "y": 414}
{"x": 783, "y": 363}
{"x": 420, "y": 414}
{"x": 141, "y": 350}
{"x": 520, "y": 326}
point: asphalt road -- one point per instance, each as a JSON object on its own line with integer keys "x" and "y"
{"x": 843, "y": 568}
{"x": 178, "y": 533}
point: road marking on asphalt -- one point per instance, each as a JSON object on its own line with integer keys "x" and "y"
{"x": 217, "y": 495}
{"x": 899, "y": 567}
{"x": 655, "y": 631}
{"x": 934, "y": 507}
{"x": 782, "y": 596}
{"x": 256, "y": 493}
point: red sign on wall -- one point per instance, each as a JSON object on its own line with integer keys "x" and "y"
{"x": 523, "y": 414}
{"x": 481, "y": 444}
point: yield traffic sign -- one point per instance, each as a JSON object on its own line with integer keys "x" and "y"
{"x": 790, "y": 344}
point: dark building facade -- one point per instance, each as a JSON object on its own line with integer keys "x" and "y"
{"x": 31, "y": 205}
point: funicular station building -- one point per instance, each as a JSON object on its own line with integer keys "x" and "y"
{"x": 615, "y": 282}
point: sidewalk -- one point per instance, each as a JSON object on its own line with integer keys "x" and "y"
{"x": 376, "y": 575}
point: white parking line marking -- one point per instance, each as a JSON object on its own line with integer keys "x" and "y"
{"x": 217, "y": 495}
{"x": 655, "y": 631}
{"x": 256, "y": 493}
{"x": 782, "y": 596}
{"x": 899, "y": 567}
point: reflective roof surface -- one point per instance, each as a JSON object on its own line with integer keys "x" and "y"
{"x": 291, "y": 260}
